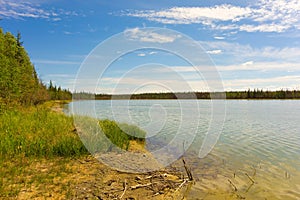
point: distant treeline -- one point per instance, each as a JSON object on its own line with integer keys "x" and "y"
{"x": 249, "y": 94}
{"x": 19, "y": 82}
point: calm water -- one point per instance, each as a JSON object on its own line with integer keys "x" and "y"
{"x": 259, "y": 139}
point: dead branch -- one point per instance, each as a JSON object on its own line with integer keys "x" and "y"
{"x": 251, "y": 179}
{"x": 140, "y": 186}
{"x": 249, "y": 187}
{"x": 188, "y": 171}
{"x": 235, "y": 188}
{"x": 185, "y": 180}
{"x": 125, "y": 188}
{"x": 287, "y": 175}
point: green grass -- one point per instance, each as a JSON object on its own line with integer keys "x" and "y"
{"x": 120, "y": 134}
{"x": 38, "y": 132}
{"x": 105, "y": 135}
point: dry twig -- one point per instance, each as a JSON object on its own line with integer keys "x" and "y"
{"x": 188, "y": 171}
{"x": 185, "y": 180}
{"x": 235, "y": 188}
{"x": 125, "y": 188}
{"x": 251, "y": 179}
{"x": 140, "y": 185}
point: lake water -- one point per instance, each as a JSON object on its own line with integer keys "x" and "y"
{"x": 259, "y": 141}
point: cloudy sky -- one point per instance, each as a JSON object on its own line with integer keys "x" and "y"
{"x": 253, "y": 44}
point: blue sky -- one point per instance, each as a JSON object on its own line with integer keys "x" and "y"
{"x": 254, "y": 44}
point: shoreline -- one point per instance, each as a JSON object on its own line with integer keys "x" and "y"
{"x": 168, "y": 183}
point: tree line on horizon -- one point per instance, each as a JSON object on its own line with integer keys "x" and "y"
{"x": 19, "y": 82}
{"x": 248, "y": 94}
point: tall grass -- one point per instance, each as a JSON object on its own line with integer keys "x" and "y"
{"x": 121, "y": 134}
{"x": 38, "y": 132}
{"x": 105, "y": 135}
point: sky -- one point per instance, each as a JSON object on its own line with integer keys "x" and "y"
{"x": 251, "y": 44}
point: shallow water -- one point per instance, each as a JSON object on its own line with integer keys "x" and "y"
{"x": 259, "y": 139}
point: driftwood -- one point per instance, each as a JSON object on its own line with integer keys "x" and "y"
{"x": 140, "y": 186}
{"x": 188, "y": 171}
{"x": 125, "y": 188}
{"x": 180, "y": 186}
{"x": 235, "y": 188}
{"x": 251, "y": 179}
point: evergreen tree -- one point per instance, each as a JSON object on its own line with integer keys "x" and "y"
{"x": 18, "y": 78}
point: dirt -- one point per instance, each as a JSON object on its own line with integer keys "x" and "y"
{"x": 106, "y": 183}
{"x": 87, "y": 178}
{"x": 57, "y": 106}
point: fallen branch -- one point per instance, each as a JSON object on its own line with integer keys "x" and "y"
{"x": 249, "y": 187}
{"x": 235, "y": 189}
{"x": 140, "y": 186}
{"x": 125, "y": 188}
{"x": 188, "y": 171}
{"x": 185, "y": 180}
{"x": 250, "y": 178}
{"x": 287, "y": 176}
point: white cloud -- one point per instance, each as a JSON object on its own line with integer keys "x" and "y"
{"x": 193, "y": 83}
{"x": 70, "y": 33}
{"x": 244, "y": 53}
{"x": 264, "y": 16}
{"x": 219, "y": 38}
{"x": 243, "y": 70}
{"x": 26, "y": 9}
{"x": 246, "y": 66}
{"x": 279, "y": 28}
{"x": 189, "y": 15}
{"x": 149, "y": 36}
{"x": 217, "y": 51}
{"x": 248, "y": 63}
{"x": 14, "y": 9}
{"x": 273, "y": 83}
{"x": 223, "y": 27}
{"x": 261, "y": 66}
{"x": 141, "y": 54}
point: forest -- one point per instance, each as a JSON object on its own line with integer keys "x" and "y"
{"x": 19, "y": 82}
{"x": 249, "y": 94}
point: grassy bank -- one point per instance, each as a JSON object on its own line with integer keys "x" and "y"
{"x": 43, "y": 134}
{"x": 38, "y": 132}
